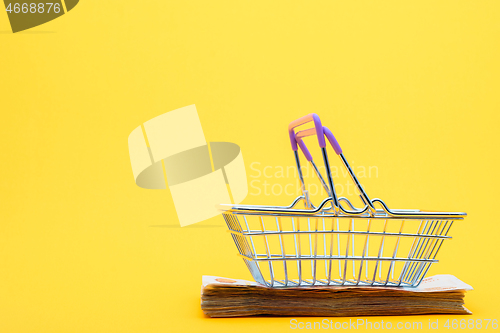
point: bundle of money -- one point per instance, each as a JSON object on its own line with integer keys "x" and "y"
{"x": 440, "y": 294}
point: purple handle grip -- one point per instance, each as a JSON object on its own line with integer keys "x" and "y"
{"x": 301, "y": 121}
{"x": 304, "y": 149}
{"x": 329, "y": 135}
{"x": 333, "y": 141}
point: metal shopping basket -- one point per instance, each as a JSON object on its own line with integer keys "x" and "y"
{"x": 335, "y": 243}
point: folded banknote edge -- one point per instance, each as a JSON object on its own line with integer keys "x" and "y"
{"x": 442, "y": 282}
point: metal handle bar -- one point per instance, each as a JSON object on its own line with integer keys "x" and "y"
{"x": 368, "y": 211}
{"x": 336, "y": 147}
{"x": 319, "y": 131}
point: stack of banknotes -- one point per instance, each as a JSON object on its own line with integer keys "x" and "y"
{"x": 441, "y": 294}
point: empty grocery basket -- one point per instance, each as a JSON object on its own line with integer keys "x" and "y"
{"x": 335, "y": 243}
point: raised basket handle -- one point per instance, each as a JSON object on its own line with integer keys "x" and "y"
{"x": 331, "y": 138}
{"x": 304, "y": 120}
{"x": 311, "y": 131}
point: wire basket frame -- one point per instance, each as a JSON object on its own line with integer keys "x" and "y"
{"x": 291, "y": 251}
{"x": 335, "y": 243}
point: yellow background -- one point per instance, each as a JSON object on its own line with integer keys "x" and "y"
{"x": 409, "y": 87}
